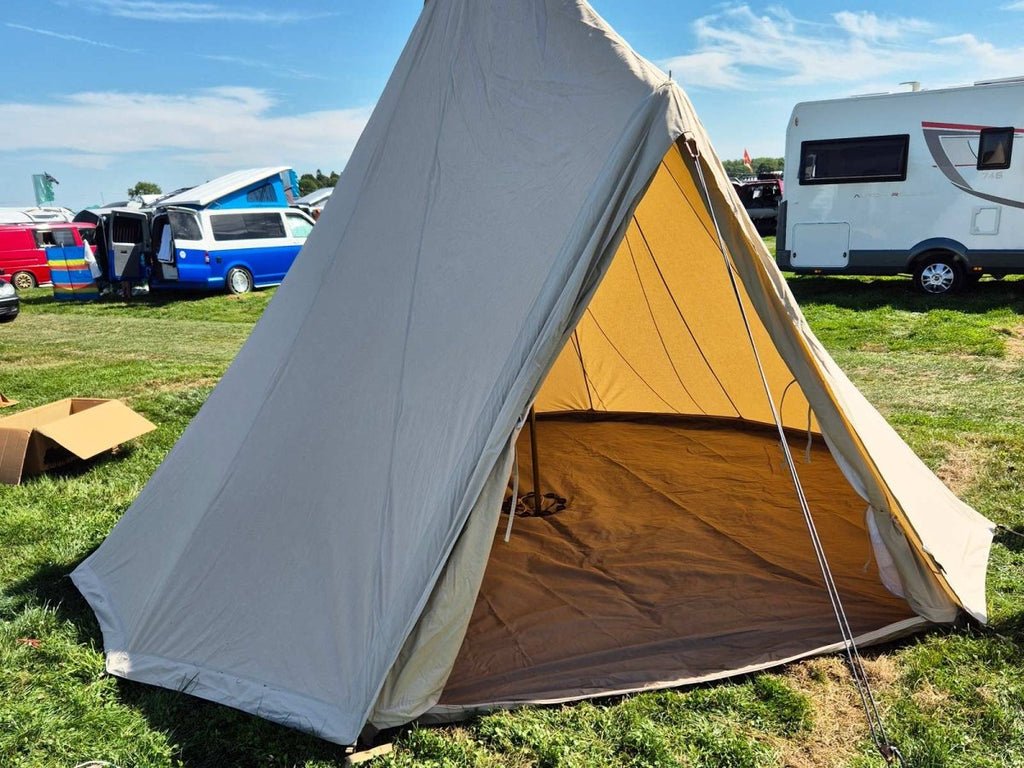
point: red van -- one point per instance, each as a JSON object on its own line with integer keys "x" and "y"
{"x": 23, "y": 250}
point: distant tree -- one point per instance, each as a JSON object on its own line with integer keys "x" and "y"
{"x": 736, "y": 168}
{"x": 144, "y": 188}
{"x": 310, "y": 182}
{"x": 768, "y": 164}
{"x": 307, "y": 184}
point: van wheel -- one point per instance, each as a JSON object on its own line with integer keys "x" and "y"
{"x": 938, "y": 275}
{"x": 238, "y": 280}
{"x": 23, "y": 280}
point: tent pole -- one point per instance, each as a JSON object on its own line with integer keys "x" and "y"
{"x": 536, "y": 463}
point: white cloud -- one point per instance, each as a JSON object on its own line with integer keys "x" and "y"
{"x": 867, "y": 25}
{"x": 274, "y": 67}
{"x": 1017, "y": 6}
{"x": 157, "y": 10}
{"x": 71, "y": 38}
{"x": 987, "y": 59}
{"x": 221, "y": 127}
{"x": 742, "y": 50}
{"x": 95, "y": 162}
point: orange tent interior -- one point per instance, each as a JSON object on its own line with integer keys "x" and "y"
{"x": 681, "y": 554}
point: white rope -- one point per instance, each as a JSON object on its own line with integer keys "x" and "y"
{"x": 888, "y": 751}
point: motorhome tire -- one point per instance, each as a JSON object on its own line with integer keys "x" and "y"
{"x": 238, "y": 280}
{"x": 938, "y": 275}
{"x": 23, "y": 280}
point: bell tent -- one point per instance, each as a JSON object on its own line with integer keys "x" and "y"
{"x": 533, "y": 216}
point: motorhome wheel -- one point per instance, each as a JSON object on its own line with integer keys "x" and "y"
{"x": 938, "y": 275}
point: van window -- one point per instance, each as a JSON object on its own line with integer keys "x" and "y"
{"x": 994, "y": 148}
{"x": 298, "y": 226}
{"x": 184, "y": 225}
{"x": 246, "y": 226}
{"x": 861, "y": 159}
{"x": 49, "y": 238}
{"x": 262, "y": 194}
{"x": 127, "y": 229}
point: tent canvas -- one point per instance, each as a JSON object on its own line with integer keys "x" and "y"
{"x": 533, "y": 214}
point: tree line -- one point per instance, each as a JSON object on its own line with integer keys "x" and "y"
{"x": 759, "y": 164}
{"x": 310, "y": 182}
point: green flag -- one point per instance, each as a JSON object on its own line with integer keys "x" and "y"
{"x": 43, "y": 184}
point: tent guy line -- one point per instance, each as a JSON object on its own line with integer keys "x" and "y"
{"x": 855, "y": 662}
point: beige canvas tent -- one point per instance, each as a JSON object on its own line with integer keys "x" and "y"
{"x": 533, "y": 215}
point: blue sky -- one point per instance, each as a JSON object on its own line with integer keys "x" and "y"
{"x": 104, "y": 93}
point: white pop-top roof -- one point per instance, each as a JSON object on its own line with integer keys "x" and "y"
{"x": 316, "y": 196}
{"x": 212, "y": 190}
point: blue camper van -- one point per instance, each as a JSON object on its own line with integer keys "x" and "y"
{"x": 236, "y": 233}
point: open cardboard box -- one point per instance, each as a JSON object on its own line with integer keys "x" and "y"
{"x": 41, "y": 438}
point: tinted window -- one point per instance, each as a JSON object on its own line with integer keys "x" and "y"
{"x": 298, "y": 226}
{"x": 245, "y": 226}
{"x": 184, "y": 225}
{"x": 994, "y": 148}
{"x": 868, "y": 158}
{"x": 262, "y": 194}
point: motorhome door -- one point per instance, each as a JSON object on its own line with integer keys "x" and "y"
{"x": 824, "y": 245}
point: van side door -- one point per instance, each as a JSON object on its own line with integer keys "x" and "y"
{"x": 128, "y": 240}
{"x": 182, "y": 246}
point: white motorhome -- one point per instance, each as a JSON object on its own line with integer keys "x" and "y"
{"x": 921, "y": 182}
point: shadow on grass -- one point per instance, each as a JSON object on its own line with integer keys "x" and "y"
{"x": 107, "y": 302}
{"x": 205, "y": 734}
{"x": 897, "y": 293}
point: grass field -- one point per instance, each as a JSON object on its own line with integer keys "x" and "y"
{"x": 949, "y": 375}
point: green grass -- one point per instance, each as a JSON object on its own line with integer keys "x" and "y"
{"x": 949, "y": 374}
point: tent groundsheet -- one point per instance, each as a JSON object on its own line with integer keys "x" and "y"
{"x": 680, "y": 553}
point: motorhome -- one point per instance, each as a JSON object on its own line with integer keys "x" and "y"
{"x": 922, "y": 182}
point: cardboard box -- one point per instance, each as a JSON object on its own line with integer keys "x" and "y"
{"x": 41, "y": 438}
{"x": 6, "y": 402}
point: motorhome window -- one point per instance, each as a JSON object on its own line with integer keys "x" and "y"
{"x": 994, "y": 148}
{"x": 262, "y": 194}
{"x": 298, "y": 225}
{"x": 127, "y": 229}
{"x": 861, "y": 159}
{"x": 184, "y": 225}
{"x": 247, "y": 226}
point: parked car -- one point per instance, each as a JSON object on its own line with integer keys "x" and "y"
{"x": 761, "y": 199}
{"x": 10, "y": 304}
{"x": 24, "y": 247}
